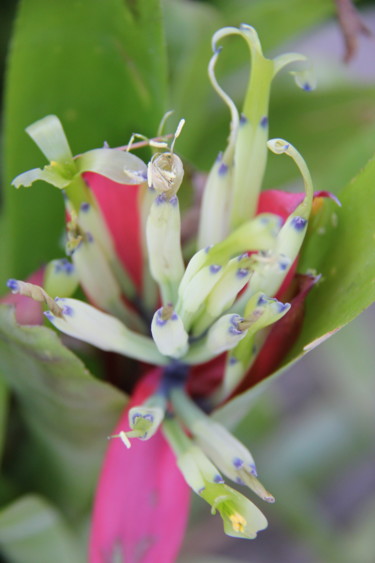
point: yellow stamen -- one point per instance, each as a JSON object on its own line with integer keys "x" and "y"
{"x": 238, "y": 522}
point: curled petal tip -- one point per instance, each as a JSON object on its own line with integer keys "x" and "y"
{"x": 278, "y": 146}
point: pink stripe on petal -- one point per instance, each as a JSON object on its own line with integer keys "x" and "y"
{"x": 28, "y": 311}
{"x": 119, "y": 205}
{"x": 142, "y": 500}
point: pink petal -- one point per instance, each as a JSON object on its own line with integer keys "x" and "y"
{"x": 142, "y": 500}
{"x": 119, "y": 204}
{"x": 279, "y": 203}
{"x": 284, "y": 203}
{"x": 28, "y": 311}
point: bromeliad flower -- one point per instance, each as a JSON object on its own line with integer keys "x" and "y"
{"x": 203, "y": 324}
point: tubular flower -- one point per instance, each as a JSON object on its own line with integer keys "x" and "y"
{"x": 203, "y": 324}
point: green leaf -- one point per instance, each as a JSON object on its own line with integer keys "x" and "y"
{"x": 101, "y": 68}
{"x": 3, "y": 412}
{"x": 68, "y": 413}
{"x": 341, "y": 248}
{"x": 32, "y": 530}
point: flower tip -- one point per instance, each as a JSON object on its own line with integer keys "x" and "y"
{"x": 278, "y": 146}
{"x": 329, "y": 195}
{"x": 13, "y": 285}
{"x": 49, "y": 315}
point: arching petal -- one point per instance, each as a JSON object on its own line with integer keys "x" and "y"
{"x": 142, "y": 500}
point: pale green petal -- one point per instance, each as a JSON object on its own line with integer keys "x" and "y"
{"x": 49, "y": 135}
{"x": 48, "y": 174}
{"x": 117, "y": 165}
{"x": 87, "y": 323}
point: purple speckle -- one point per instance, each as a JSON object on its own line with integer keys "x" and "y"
{"x": 159, "y": 319}
{"x": 299, "y": 223}
{"x": 262, "y": 300}
{"x": 174, "y": 317}
{"x": 239, "y": 481}
{"x": 242, "y": 256}
{"x": 200, "y": 491}
{"x": 64, "y": 266}
{"x": 148, "y": 417}
{"x": 68, "y": 311}
{"x": 49, "y": 315}
{"x": 242, "y": 272}
{"x": 215, "y": 268}
{"x": 235, "y": 331}
{"x": 284, "y": 263}
{"x": 233, "y": 360}
{"x": 89, "y": 238}
{"x": 264, "y": 122}
{"x": 85, "y": 206}
{"x": 13, "y": 285}
{"x": 223, "y": 169}
{"x": 234, "y": 320}
{"x": 238, "y": 462}
{"x": 135, "y": 416}
{"x": 160, "y": 199}
{"x": 218, "y": 479}
{"x": 283, "y": 307}
{"x": 208, "y": 248}
{"x": 307, "y": 87}
{"x": 173, "y": 201}
{"x": 218, "y": 50}
{"x": 219, "y": 156}
{"x": 253, "y": 469}
{"x": 243, "y": 119}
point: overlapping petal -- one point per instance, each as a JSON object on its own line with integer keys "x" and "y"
{"x": 119, "y": 205}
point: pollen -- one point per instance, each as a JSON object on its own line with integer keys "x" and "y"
{"x": 238, "y": 522}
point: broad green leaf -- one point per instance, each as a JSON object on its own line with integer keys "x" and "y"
{"x": 342, "y": 249}
{"x": 276, "y": 21}
{"x": 68, "y": 413}
{"x": 100, "y": 66}
{"x": 31, "y": 530}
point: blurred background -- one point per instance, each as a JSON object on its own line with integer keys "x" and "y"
{"x": 313, "y": 432}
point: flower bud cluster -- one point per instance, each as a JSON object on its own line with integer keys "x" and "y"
{"x": 221, "y": 302}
